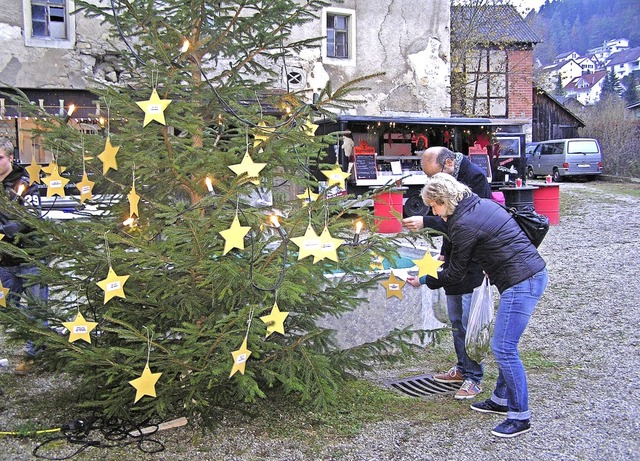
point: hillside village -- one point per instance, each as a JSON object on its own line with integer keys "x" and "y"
{"x": 582, "y": 77}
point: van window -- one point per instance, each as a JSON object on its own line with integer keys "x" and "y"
{"x": 552, "y": 148}
{"x": 583, "y": 147}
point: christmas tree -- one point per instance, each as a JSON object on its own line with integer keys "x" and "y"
{"x": 199, "y": 275}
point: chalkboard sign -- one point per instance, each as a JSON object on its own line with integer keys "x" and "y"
{"x": 365, "y": 166}
{"x": 481, "y": 160}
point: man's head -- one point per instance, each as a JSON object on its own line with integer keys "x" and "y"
{"x": 6, "y": 158}
{"x": 438, "y": 160}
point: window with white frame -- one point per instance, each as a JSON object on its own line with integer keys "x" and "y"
{"x": 48, "y": 23}
{"x": 339, "y": 30}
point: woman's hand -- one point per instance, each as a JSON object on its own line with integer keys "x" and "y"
{"x": 413, "y": 281}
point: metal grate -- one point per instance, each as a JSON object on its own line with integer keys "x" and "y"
{"x": 422, "y": 386}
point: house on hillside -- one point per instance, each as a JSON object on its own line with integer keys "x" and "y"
{"x": 587, "y": 64}
{"x": 587, "y": 88}
{"x": 623, "y": 63}
{"x": 566, "y": 56}
{"x": 565, "y": 71}
{"x": 608, "y": 47}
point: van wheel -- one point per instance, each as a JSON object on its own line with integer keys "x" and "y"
{"x": 414, "y": 206}
{"x": 556, "y": 175}
{"x": 530, "y": 174}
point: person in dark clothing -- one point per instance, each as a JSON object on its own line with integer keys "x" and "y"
{"x": 466, "y": 371}
{"x": 481, "y": 230}
{"x": 14, "y": 271}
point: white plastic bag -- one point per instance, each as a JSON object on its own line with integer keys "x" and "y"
{"x": 478, "y": 338}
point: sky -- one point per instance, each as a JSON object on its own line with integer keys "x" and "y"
{"x": 526, "y": 5}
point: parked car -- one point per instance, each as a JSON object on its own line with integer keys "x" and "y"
{"x": 561, "y": 158}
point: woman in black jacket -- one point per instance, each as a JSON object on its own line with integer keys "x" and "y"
{"x": 482, "y": 231}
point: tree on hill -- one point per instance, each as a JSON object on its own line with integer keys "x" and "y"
{"x": 178, "y": 295}
{"x": 610, "y": 85}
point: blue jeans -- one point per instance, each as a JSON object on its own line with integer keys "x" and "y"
{"x": 13, "y": 278}
{"x": 458, "y": 307}
{"x": 516, "y": 306}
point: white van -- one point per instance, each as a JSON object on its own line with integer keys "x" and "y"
{"x": 566, "y": 157}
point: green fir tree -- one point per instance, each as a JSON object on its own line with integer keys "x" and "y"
{"x": 192, "y": 296}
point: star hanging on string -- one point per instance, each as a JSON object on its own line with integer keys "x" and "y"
{"x": 85, "y": 187}
{"x": 4, "y": 292}
{"x": 275, "y": 320}
{"x": 51, "y": 167}
{"x": 262, "y": 134}
{"x": 55, "y": 184}
{"x": 240, "y": 358}
{"x": 394, "y": 286}
{"x": 308, "y": 196}
{"x": 153, "y": 108}
{"x": 309, "y": 128}
{"x": 328, "y": 247}
{"x": 34, "y": 171}
{"x": 234, "y": 236}
{"x": 108, "y": 156}
{"x": 335, "y": 176}
{"x": 146, "y": 383}
{"x": 134, "y": 199}
{"x": 113, "y": 285}
{"x": 376, "y": 262}
{"x": 79, "y": 329}
{"x": 428, "y": 265}
{"x": 248, "y": 166}
{"x": 309, "y": 243}
{"x": 1, "y": 236}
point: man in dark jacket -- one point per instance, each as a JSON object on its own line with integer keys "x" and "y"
{"x": 14, "y": 271}
{"x": 466, "y": 371}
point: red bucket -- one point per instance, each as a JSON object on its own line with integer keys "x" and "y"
{"x": 546, "y": 201}
{"x": 383, "y": 205}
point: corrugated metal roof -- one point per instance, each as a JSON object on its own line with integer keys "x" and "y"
{"x": 499, "y": 24}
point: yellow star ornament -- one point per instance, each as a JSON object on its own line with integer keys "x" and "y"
{"x": 307, "y": 197}
{"x": 234, "y": 236}
{"x": 85, "y": 187}
{"x": 376, "y": 262}
{"x": 262, "y": 134}
{"x": 34, "y": 171}
{"x": 79, "y": 329}
{"x": 309, "y": 243}
{"x": 240, "y": 358}
{"x": 328, "y": 247}
{"x": 248, "y": 166}
{"x": 394, "y": 286}
{"x": 335, "y": 176}
{"x": 153, "y": 108}
{"x": 275, "y": 320}
{"x": 55, "y": 184}
{"x": 4, "y": 292}
{"x": 309, "y": 128}
{"x": 51, "y": 167}
{"x": 134, "y": 199}
{"x": 108, "y": 156}
{"x": 113, "y": 285}
{"x": 428, "y": 265}
{"x": 146, "y": 383}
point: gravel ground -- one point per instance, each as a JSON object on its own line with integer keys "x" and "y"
{"x": 585, "y": 407}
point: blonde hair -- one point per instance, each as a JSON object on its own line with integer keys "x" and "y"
{"x": 444, "y": 189}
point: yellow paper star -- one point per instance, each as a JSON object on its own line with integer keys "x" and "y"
{"x": 146, "y": 383}
{"x": 428, "y": 265}
{"x": 335, "y": 176}
{"x": 4, "y": 292}
{"x": 34, "y": 171}
{"x": 328, "y": 247}
{"x": 248, "y": 166}
{"x": 262, "y": 133}
{"x": 134, "y": 198}
{"x": 309, "y": 128}
{"x": 275, "y": 320}
{"x": 113, "y": 285}
{"x": 79, "y": 329}
{"x": 240, "y": 358}
{"x": 307, "y": 197}
{"x": 55, "y": 184}
{"x": 394, "y": 286}
{"x": 376, "y": 262}
{"x": 85, "y": 187}
{"x": 1, "y": 236}
{"x": 234, "y": 236}
{"x": 309, "y": 243}
{"x": 108, "y": 156}
{"x": 51, "y": 167}
{"x": 154, "y": 108}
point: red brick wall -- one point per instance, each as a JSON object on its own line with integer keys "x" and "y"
{"x": 520, "y": 81}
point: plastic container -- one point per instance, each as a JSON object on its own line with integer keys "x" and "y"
{"x": 546, "y": 201}
{"x": 383, "y": 205}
